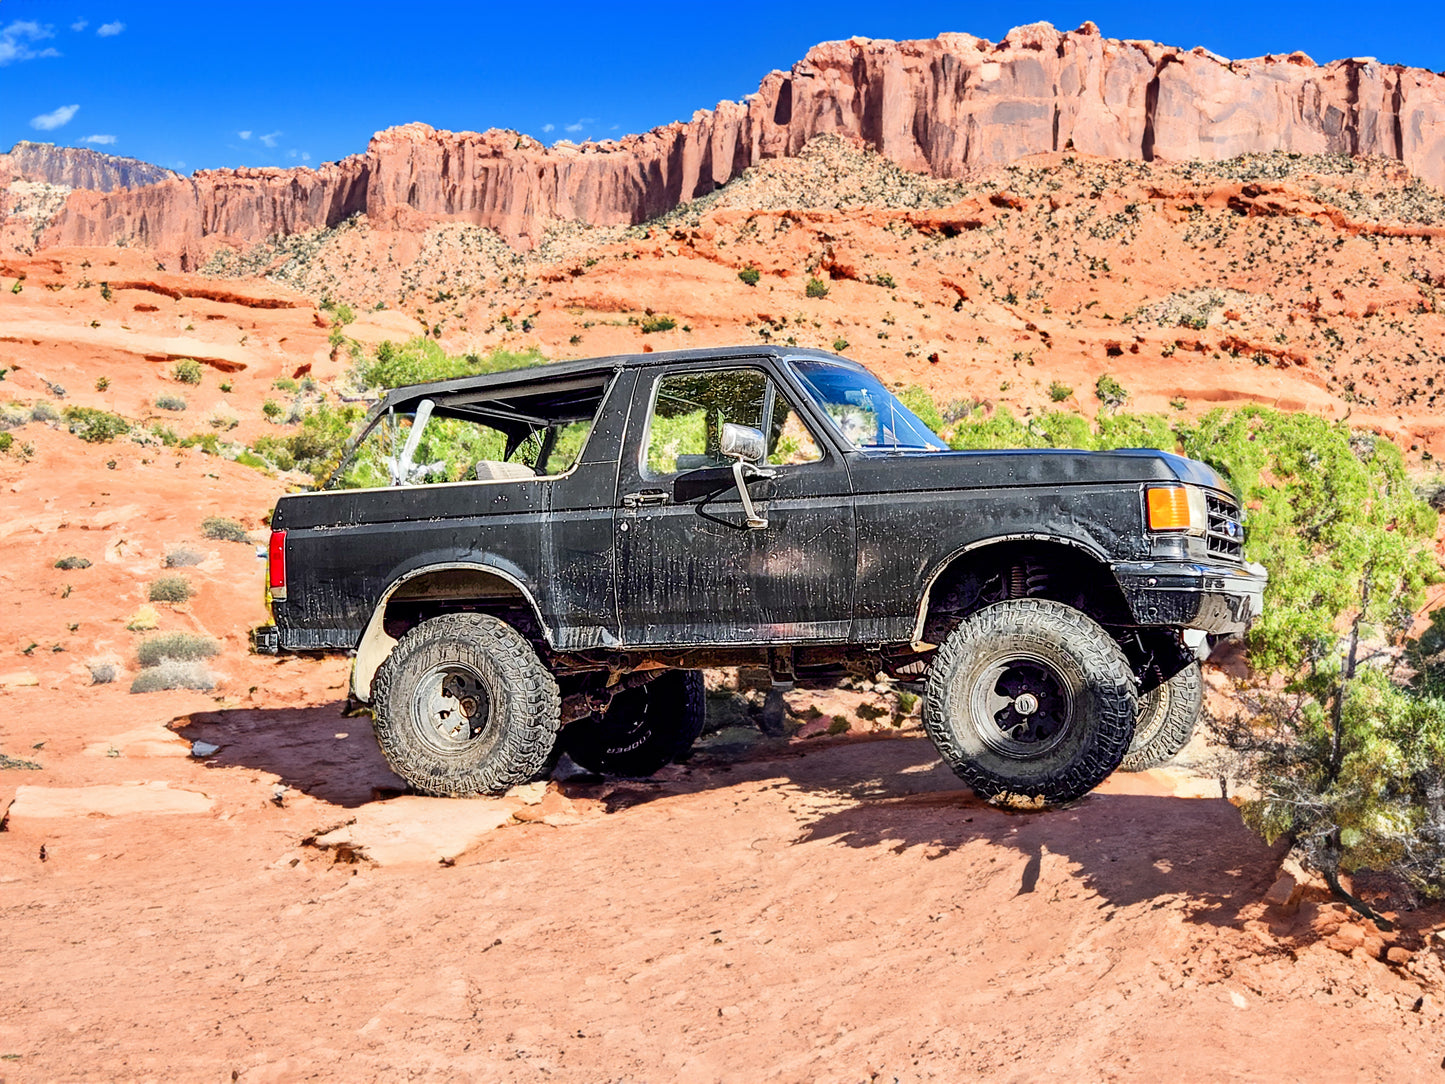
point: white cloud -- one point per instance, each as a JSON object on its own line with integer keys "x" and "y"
{"x": 246, "y": 134}
{"x": 573, "y": 127}
{"x": 106, "y": 140}
{"x": 17, "y": 42}
{"x": 109, "y": 30}
{"x": 549, "y": 127}
{"x": 305, "y": 156}
{"x": 57, "y": 118}
{"x": 269, "y": 139}
{"x": 79, "y": 25}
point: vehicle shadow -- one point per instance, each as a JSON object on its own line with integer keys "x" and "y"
{"x": 316, "y": 750}
{"x": 891, "y": 794}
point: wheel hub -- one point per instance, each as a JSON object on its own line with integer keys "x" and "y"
{"x": 1022, "y": 705}
{"x": 451, "y": 707}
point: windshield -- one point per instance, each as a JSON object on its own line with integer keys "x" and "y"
{"x": 868, "y": 415}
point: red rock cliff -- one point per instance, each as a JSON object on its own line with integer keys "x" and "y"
{"x": 946, "y": 106}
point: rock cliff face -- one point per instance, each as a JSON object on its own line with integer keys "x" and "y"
{"x": 946, "y": 106}
{"x": 78, "y": 167}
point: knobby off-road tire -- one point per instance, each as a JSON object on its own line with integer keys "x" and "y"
{"x": 1031, "y": 703}
{"x": 643, "y": 729}
{"x": 1167, "y": 715}
{"x": 463, "y": 706}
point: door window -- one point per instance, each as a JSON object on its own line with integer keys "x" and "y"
{"x": 690, "y": 409}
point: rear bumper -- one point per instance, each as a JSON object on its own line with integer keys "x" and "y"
{"x": 266, "y": 640}
{"x": 1219, "y": 599}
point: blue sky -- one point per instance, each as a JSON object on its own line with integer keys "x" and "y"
{"x": 203, "y": 84}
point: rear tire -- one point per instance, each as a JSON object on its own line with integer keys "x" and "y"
{"x": 643, "y": 729}
{"x": 463, "y": 706}
{"x": 1167, "y": 715}
{"x": 1031, "y": 703}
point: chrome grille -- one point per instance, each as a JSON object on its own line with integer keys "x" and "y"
{"x": 1225, "y": 533}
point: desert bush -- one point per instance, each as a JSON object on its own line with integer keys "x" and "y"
{"x": 6, "y": 440}
{"x": 223, "y": 530}
{"x": 102, "y": 671}
{"x": 173, "y": 674}
{"x": 816, "y": 288}
{"x": 1110, "y": 392}
{"x": 183, "y": 646}
{"x": 42, "y": 411}
{"x": 750, "y": 275}
{"x": 183, "y": 557}
{"x": 102, "y": 383}
{"x": 272, "y": 409}
{"x": 1059, "y": 392}
{"x": 317, "y": 446}
{"x": 143, "y": 620}
{"x": 918, "y": 399}
{"x": 187, "y": 371}
{"x": 1135, "y": 431}
{"x": 885, "y": 280}
{"x": 95, "y": 426}
{"x": 170, "y": 402}
{"x": 651, "y": 324}
{"x": 421, "y": 361}
{"x": 840, "y": 344}
{"x": 71, "y": 563}
{"x": 171, "y": 589}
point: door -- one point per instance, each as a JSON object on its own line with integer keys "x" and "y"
{"x": 691, "y": 571}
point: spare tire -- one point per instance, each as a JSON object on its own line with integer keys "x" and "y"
{"x": 643, "y": 729}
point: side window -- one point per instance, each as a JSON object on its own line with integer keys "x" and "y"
{"x": 688, "y": 414}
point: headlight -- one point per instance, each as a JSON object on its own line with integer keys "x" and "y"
{"x": 1176, "y": 508}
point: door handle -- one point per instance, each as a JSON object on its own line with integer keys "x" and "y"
{"x": 645, "y": 496}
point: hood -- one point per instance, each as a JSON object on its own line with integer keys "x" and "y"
{"x": 1043, "y": 466}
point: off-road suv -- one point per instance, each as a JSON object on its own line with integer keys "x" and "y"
{"x": 544, "y": 559}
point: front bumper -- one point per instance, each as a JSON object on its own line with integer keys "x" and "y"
{"x": 266, "y": 640}
{"x": 1219, "y": 599}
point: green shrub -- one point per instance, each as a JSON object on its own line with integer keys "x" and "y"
{"x": 272, "y": 409}
{"x": 651, "y": 324}
{"x": 42, "y": 411}
{"x": 170, "y": 402}
{"x": 1136, "y": 431}
{"x": 286, "y": 384}
{"x": 71, "y": 563}
{"x": 101, "y": 383}
{"x": 1110, "y": 392}
{"x": 750, "y": 275}
{"x": 317, "y": 446}
{"x": 184, "y": 646}
{"x": 885, "y": 280}
{"x": 980, "y": 432}
{"x": 223, "y": 530}
{"x": 917, "y": 399}
{"x": 186, "y": 371}
{"x": 6, "y": 440}
{"x": 1059, "y": 392}
{"x": 95, "y": 426}
{"x": 840, "y": 344}
{"x": 422, "y": 361}
{"x": 816, "y": 288}
{"x": 342, "y": 313}
{"x": 171, "y": 589}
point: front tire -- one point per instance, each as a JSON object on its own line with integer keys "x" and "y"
{"x": 1167, "y": 715}
{"x": 463, "y": 706}
{"x": 1031, "y": 703}
{"x": 643, "y": 729}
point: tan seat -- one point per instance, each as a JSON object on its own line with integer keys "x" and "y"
{"x": 489, "y": 470}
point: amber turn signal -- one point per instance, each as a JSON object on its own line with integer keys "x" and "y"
{"x": 1168, "y": 508}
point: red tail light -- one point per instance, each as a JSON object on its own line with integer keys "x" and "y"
{"x": 276, "y": 561}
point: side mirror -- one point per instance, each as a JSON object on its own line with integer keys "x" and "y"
{"x": 742, "y": 442}
{"x": 745, "y": 446}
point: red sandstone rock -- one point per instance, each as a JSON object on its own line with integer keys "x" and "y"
{"x": 946, "y": 106}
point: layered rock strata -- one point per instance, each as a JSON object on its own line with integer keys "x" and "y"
{"x": 947, "y": 106}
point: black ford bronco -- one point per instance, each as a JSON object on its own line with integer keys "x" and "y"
{"x": 542, "y": 560}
